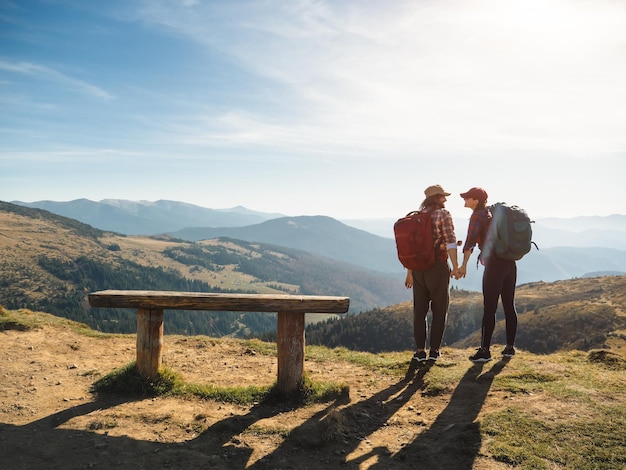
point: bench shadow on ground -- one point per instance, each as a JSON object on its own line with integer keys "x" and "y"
{"x": 452, "y": 441}
{"x": 44, "y": 443}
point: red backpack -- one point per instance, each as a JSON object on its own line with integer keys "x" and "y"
{"x": 414, "y": 241}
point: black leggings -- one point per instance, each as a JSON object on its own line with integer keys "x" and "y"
{"x": 499, "y": 281}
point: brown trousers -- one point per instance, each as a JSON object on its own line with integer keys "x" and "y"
{"x": 431, "y": 290}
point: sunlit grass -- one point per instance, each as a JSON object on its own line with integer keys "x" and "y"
{"x": 516, "y": 437}
{"x": 392, "y": 363}
{"x": 127, "y": 381}
{"x": 26, "y": 320}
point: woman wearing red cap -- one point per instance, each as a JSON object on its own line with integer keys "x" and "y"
{"x": 499, "y": 276}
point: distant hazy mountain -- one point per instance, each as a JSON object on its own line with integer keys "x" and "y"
{"x": 582, "y": 223}
{"x": 380, "y": 227}
{"x": 569, "y": 248}
{"x": 554, "y": 264}
{"x": 151, "y": 218}
{"x": 607, "y": 232}
{"x": 608, "y": 238}
{"x": 148, "y": 218}
{"x": 319, "y": 235}
{"x": 327, "y": 237}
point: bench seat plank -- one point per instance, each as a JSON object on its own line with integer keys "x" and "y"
{"x": 219, "y": 301}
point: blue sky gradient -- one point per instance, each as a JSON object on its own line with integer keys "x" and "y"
{"x": 348, "y": 109}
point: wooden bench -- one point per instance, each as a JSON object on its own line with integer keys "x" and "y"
{"x": 290, "y": 333}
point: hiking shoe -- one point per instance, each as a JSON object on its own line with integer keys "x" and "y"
{"x": 433, "y": 355}
{"x": 508, "y": 351}
{"x": 419, "y": 357}
{"x": 482, "y": 355}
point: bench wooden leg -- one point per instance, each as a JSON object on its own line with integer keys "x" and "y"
{"x": 149, "y": 342}
{"x": 290, "y": 346}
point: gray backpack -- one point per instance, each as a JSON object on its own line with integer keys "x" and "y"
{"x": 510, "y": 231}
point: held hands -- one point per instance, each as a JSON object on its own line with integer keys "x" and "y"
{"x": 459, "y": 272}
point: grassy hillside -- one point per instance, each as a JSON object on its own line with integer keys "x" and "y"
{"x": 575, "y": 314}
{"x": 565, "y": 410}
{"x": 51, "y": 263}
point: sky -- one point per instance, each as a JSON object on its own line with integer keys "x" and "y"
{"x": 344, "y": 108}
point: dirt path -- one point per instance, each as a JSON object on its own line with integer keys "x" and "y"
{"x": 49, "y": 419}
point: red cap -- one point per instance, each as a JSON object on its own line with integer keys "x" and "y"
{"x": 475, "y": 193}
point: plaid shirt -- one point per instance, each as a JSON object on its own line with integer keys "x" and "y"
{"x": 477, "y": 229}
{"x": 443, "y": 232}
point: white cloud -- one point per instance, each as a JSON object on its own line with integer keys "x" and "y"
{"x": 49, "y": 74}
{"x": 492, "y": 76}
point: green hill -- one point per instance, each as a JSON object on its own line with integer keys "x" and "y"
{"x": 50, "y": 263}
{"x": 575, "y": 314}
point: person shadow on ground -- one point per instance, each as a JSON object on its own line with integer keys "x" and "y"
{"x": 454, "y": 439}
{"x": 333, "y": 433}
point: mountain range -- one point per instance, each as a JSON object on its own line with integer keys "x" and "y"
{"x": 148, "y": 218}
{"x": 163, "y": 216}
{"x": 568, "y": 248}
{"x": 50, "y": 262}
